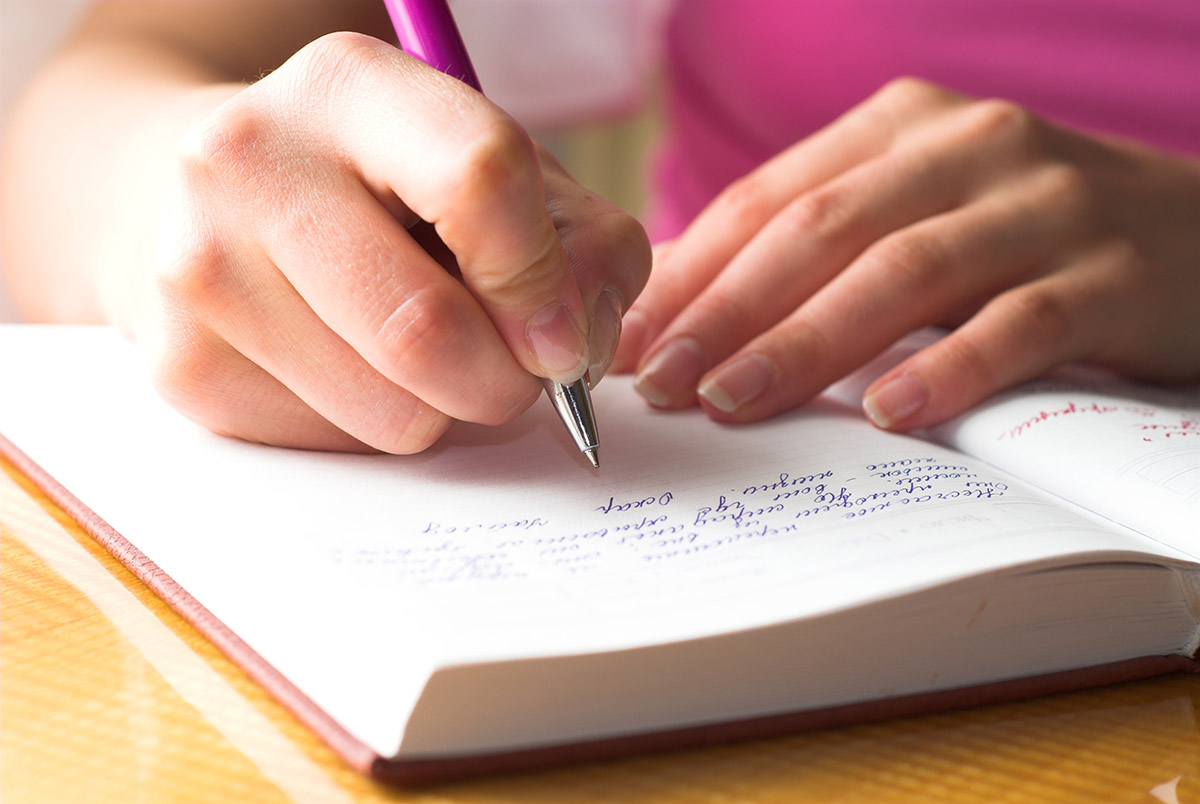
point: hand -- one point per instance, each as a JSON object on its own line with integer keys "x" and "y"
{"x": 362, "y": 249}
{"x": 1039, "y": 246}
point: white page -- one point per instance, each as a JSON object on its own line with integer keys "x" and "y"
{"x": 1128, "y": 452}
{"x": 356, "y": 575}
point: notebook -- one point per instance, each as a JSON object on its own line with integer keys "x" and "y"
{"x": 496, "y": 603}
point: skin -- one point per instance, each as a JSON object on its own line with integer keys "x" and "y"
{"x": 347, "y": 253}
{"x": 355, "y": 250}
{"x": 1035, "y": 244}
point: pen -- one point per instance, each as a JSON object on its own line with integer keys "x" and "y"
{"x": 426, "y": 30}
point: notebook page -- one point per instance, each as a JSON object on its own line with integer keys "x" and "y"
{"x": 355, "y": 576}
{"x": 1128, "y": 452}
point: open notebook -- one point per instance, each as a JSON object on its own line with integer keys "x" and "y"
{"x": 495, "y": 602}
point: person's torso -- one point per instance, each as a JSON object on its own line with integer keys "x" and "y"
{"x": 748, "y": 78}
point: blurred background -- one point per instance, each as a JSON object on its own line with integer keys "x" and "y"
{"x": 581, "y": 75}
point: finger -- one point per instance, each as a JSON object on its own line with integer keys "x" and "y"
{"x": 1017, "y": 336}
{"x": 357, "y": 267}
{"x": 905, "y": 281}
{"x": 733, "y": 219}
{"x": 249, "y": 305}
{"x": 465, "y": 166}
{"x": 633, "y": 341}
{"x": 370, "y": 282}
{"x": 609, "y": 253}
{"x": 208, "y": 381}
{"x": 799, "y": 251}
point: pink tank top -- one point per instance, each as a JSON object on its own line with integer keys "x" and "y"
{"x": 748, "y": 78}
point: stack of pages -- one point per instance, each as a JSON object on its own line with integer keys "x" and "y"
{"x": 495, "y": 602}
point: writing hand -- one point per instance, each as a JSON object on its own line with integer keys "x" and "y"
{"x": 1038, "y": 245}
{"x": 363, "y": 249}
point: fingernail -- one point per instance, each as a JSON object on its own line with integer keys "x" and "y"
{"x": 738, "y": 383}
{"x": 604, "y": 334}
{"x": 672, "y": 372}
{"x": 557, "y": 343}
{"x": 896, "y": 400}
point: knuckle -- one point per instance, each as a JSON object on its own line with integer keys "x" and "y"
{"x": 719, "y": 316}
{"x": 228, "y": 145}
{"x": 746, "y": 201}
{"x": 1129, "y": 268}
{"x": 910, "y": 262}
{"x": 619, "y": 244}
{"x": 398, "y": 424}
{"x": 416, "y": 334}
{"x": 196, "y": 276}
{"x": 504, "y": 405}
{"x": 1066, "y": 187}
{"x": 408, "y": 427}
{"x": 803, "y": 348}
{"x": 906, "y": 93}
{"x": 419, "y": 431}
{"x": 336, "y": 60}
{"x": 998, "y": 120}
{"x": 720, "y": 311}
{"x": 498, "y": 160}
{"x": 972, "y": 363}
{"x": 630, "y": 236}
{"x": 636, "y": 258}
{"x": 186, "y": 373}
{"x": 597, "y": 223}
{"x": 1046, "y": 314}
{"x": 824, "y": 211}
{"x": 904, "y": 100}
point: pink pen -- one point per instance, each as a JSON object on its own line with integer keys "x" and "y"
{"x": 426, "y": 30}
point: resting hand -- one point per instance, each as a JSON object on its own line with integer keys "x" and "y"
{"x": 362, "y": 249}
{"x": 1035, "y": 244}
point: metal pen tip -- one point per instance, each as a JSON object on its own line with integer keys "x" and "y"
{"x": 573, "y": 404}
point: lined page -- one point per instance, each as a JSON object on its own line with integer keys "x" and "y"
{"x": 1128, "y": 452}
{"x": 356, "y": 576}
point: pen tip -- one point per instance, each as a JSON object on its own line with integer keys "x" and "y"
{"x": 594, "y": 456}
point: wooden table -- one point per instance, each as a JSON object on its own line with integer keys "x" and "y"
{"x": 106, "y": 695}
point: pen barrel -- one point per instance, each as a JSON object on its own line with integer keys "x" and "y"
{"x": 426, "y": 30}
